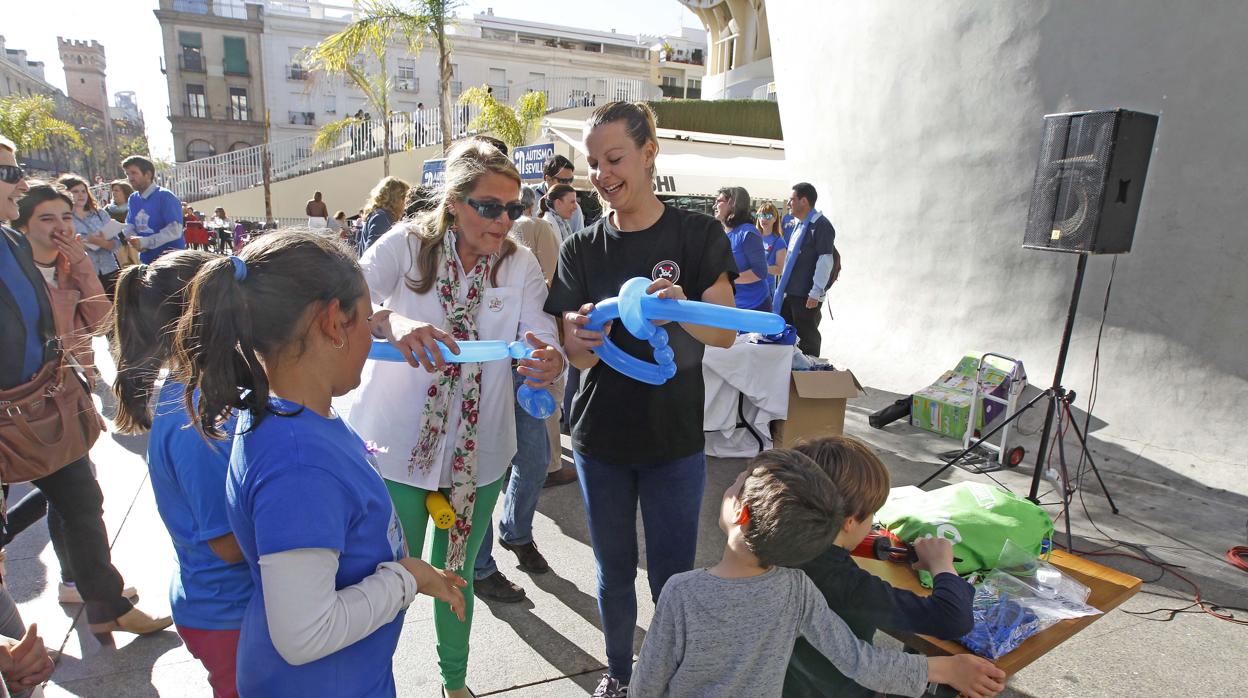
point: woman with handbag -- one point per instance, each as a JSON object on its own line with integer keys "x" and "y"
{"x": 47, "y": 441}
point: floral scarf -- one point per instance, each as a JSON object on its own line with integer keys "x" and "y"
{"x": 457, "y": 384}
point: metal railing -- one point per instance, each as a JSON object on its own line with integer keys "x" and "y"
{"x": 191, "y": 63}
{"x": 567, "y": 93}
{"x": 499, "y": 92}
{"x": 407, "y": 84}
{"x": 292, "y": 157}
{"x": 244, "y": 69}
{"x": 294, "y": 71}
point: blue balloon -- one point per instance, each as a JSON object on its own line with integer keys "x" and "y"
{"x": 638, "y": 311}
{"x": 536, "y": 401}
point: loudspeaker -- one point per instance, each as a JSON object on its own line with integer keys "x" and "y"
{"x": 1089, "y": 181}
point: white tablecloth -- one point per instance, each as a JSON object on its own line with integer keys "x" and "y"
{"x": 760, "y": 374}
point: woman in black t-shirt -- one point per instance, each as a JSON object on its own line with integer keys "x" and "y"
{"x": 637, "y": 443}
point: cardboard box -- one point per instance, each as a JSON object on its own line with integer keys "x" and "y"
{"x": 944, "y": 407}
{"x": 816, "y": 406}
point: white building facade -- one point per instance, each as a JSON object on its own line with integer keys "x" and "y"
{"x": 575, "y": 67}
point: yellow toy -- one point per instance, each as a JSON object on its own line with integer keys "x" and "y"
{"x": 440, "y": 510}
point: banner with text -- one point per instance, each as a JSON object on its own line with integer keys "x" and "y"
{"x": 529, "y": 160}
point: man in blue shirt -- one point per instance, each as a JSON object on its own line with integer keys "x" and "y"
{"x": 810, "y": 269}
{"x": 154, "y": 222}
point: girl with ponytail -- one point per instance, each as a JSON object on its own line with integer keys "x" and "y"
{"x": 275, "y": 334}
{"x": 212, "y": 585}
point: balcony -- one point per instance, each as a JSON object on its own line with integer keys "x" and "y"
{"x": 407, "y": 84}
{"x": 191, "y": 62}
{"x": 244, "y": 69}
{"x": 457, "y": 88}
{"x": 194, "y": 110}
{"x": 294, "y": 71}
{"x": 694, "y": 58}
{"x": 500, "y": 92}
{"x": 302, "y": 118}
{"x": 238, "y": 114}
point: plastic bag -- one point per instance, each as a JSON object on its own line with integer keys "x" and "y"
{"x": 1019, "y": 599}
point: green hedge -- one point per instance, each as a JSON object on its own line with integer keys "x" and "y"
{"x": 734, "y": 117}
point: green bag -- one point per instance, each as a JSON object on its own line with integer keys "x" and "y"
{"x": 978, "y": 518}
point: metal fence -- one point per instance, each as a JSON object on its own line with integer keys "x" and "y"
{"x": 292, "y": 157}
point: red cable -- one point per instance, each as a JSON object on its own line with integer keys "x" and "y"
{"x": 1238, "y": 557}
{"x": 1197, "y": 601}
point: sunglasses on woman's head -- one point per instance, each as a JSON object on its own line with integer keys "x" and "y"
{"x": 11, "y": 174}
{"x": 491, "y": 211}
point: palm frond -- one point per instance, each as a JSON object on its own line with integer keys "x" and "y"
{"x": 330, "y": 134}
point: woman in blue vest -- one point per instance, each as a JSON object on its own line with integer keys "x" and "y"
{"x": 732, "y": 209}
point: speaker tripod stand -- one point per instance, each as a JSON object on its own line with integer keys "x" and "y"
{"x": 1059, "y": 401}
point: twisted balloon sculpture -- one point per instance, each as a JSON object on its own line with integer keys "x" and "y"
{"x": 638, "y": 311}
{"x": 536, "y": 401}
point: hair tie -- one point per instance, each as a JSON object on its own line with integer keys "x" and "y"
{"x": 240, "y": 268}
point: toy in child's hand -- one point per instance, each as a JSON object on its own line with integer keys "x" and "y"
{"x": 883, "y": 545}
{"x": 639, "y": 310}
{"x": 537, "y": 402}
{"x": 440, "y": 510}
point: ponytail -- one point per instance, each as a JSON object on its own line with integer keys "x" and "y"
{"x": 242, "y": 309}
{"x": 556, "y": 192}
{"x": 147, "y": 304}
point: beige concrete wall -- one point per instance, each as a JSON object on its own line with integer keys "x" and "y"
{"x": 344, "y": 187}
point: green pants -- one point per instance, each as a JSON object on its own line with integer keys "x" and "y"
{"x": 409, "y": 502}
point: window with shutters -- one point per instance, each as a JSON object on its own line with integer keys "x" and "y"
{"x": 236, "y": 56}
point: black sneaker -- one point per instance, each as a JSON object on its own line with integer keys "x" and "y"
{"x": 496, "y": 587}
{"x": 610, "y": 687}
{"x": 531, "y": 560}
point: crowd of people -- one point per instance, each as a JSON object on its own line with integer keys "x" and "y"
{"x": 298, "y": 532}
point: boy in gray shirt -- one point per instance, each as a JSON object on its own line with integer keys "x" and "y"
{"x": 729, "y": 630}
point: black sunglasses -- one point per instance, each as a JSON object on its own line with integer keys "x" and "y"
{"x": 563, "y": 180}
{"x": 11, "y": 174}
{"x": 492, "y": 211}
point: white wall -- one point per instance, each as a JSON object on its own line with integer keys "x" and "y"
{"x": 920, "y": 124}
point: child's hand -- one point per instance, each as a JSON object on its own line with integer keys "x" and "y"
{"x": 935, "y": 555}
{"x": 972, "y": 676}
{"x": 442, "y": 585}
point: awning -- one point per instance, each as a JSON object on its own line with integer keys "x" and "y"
{"x": 696, "y": 164}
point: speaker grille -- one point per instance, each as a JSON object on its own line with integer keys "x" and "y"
{"x": 1070, "y": 180}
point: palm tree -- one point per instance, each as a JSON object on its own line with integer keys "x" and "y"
{"x": 379, "y": 24}
{"x": 510, "y": 125}
{"x": 30, "y": 123}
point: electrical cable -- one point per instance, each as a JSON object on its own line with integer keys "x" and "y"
{"x": 1238, "y": 557}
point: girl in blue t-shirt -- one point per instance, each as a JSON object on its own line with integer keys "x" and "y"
{"x": 212, "y": 585}
{"x": 732, "y": 209}
{"x": 773, "y": 244}
{"x": 277, "y": 333}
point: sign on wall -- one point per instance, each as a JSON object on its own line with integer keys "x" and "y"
{"x": 529, "y": 159}
{"x": 432, "y": 173}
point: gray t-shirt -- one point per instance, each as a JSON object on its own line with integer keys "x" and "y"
{"x": 733, "y": 637}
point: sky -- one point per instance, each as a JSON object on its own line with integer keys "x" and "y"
{"x": 132, "y": 41}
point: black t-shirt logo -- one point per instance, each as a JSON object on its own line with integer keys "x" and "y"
{"x": 667, "y": 269}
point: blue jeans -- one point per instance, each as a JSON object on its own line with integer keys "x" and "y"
{"x": 671, "y": 496}
{"x": 524, "y": 487}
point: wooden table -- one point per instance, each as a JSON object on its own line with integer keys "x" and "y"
{"x": 1109, "y": 588}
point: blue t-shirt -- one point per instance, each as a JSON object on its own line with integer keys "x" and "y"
{"x": 23, "y": 292}
{"x": 150, "y": 215}
{"x": 748, "y": 252}
{"x": 772, "y": 244}
{"x": 788, "y": 223}
{"x": 188, "y": 479}
{"x": 300, "y": 480}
